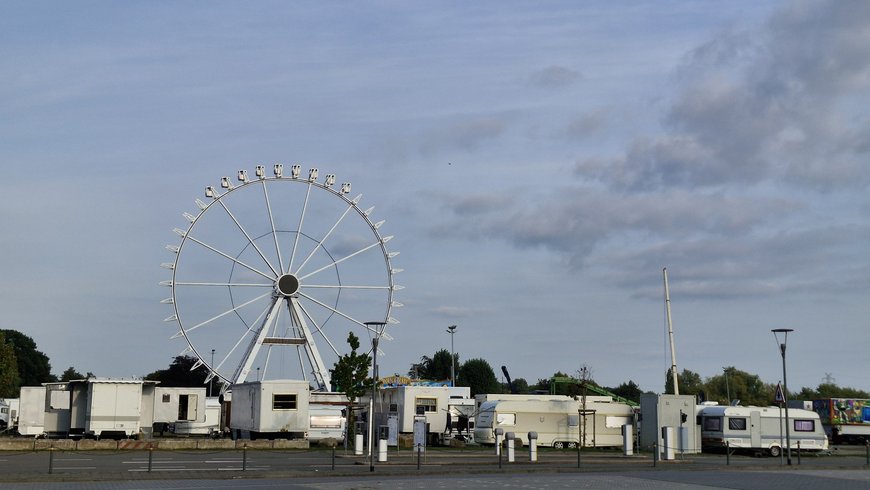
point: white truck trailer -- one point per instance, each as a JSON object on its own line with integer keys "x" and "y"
{"x": 846, "y": 420}
{"x": 760, "y": 429}
{"x": 270, "y": 409}
{"x": 559, "y": 421}
{"x": 31, "y": 414}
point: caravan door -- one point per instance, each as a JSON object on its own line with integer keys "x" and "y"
{"x": 755, "y": 428}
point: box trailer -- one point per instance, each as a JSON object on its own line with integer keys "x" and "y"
{"x": 31, "y": 414}
{"x": 679, "y": 412}
{"x": 270, "y": 409}
{"x": 760, "y": 429}
{"x": 559, "y": 421}
{"x": 845, "y": 420}
{"x": 405, "y": 403}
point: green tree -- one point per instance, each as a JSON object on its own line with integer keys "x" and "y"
{"x": 829, "y": 390}
{"x": 180, "y": 374}
{"x": 690, "y": 383}
{"x": 33, "y": 366}
{"x": 743, "y": 386}
{"x": 629, "y": 391}
{"x": 435, "y": 368}
{"x": 10, "y": 382}
{"x": 349, "y": 376}
{"x": 478, "y": 375}
{"x": 71, "y": 374}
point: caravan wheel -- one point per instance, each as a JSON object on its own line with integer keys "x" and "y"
{"x": 775, "y": 451}
{"x": 559, "y": 445}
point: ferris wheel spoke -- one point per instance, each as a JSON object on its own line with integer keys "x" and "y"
{"x": 248, "y": 237}
{"x": 339, "y": 313}
{"x": 231, "y": 258}
{"x": 340, "y": 286}
{"x": 299, "y": 228}
{"x": 336, "y": 262}
{"x": 319, "y": 329}
{"x": 226, "y": 284}
{"x": 323, "y": 240}
{"x": 225, "y": 313}
{"x": 274, "y": 230}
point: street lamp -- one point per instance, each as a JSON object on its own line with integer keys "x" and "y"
{"x": 727, "y": 386}
{"x": 784, "y": 332}
{"x": 378, "y": 329}
{"x": 451, "y": 330}
{"x": 211, "y": 381}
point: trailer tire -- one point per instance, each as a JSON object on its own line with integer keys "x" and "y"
{"x": 559, "y": 445}
{"x": 775, "y": 451}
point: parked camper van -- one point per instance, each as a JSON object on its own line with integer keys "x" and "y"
{"x": 760, "y": 429}
{"x": 559, "y": 421}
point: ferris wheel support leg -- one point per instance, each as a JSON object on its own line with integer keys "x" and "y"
{"x": 321, "y": 374}
{"x": 254, "y": 347}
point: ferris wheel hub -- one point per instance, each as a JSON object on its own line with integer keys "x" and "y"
{"x": 287, "y": 285}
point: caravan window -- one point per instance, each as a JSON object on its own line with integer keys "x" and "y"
{"x": 284, "y": 401}
{"x": 805, "y": 425}
{"x": 737, "y": 423}
{"x": 506, "y": 419}
{"x": 326, "y": 422}
{"x": 713, "y": 424}
{"x": 612, "y": 422}
{"x": 426, "y": 405}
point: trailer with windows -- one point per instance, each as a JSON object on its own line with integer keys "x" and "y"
{"x": 560, "y": 422}
{"x": 405, "y": 403}
{"x": 270, "y": 409}
{"x": 760, "y": 429}
{"x": 845, "y": 420}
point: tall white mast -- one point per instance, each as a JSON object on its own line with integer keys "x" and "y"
{"x": 671, "y": 332}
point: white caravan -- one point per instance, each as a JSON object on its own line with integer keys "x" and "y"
{"x": 8, "y": 413}
{"x": 559, "y": 421}
{"x": 270, "y": 409}
{"x": 760, "y": 429}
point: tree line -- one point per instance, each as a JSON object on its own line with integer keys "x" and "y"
{"x": 23, "y": 364}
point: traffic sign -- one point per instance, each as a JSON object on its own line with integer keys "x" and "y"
{"x": 779, "y": 396}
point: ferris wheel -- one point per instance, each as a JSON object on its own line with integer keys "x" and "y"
{"x": 273, "y": 272}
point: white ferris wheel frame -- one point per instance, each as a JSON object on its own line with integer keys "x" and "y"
{"x": 285, "y": 281}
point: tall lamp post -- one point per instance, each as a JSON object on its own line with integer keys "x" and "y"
{"x": 782, "y": 343}
{"x": 451, "y": 330}
{"x": 378, "y": 329}
{"x": 211, "y": 381}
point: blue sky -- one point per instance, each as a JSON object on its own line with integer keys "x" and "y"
{"x": 539, "y": 163}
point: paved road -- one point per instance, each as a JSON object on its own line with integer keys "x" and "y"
{"x": 471, "y": 468}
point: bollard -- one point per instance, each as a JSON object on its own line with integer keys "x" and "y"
{"x": 510, "y": 447}
{"x": 358, "y": 445}
{"x": 799, "y": 452}
{"x": 333, "y": 456}
{"x": 382, "y": 450}
{"x": 867, "y": 452}
{"x": 499, "y": 435}
{"x": 533, "y": 446}
{"x": 727, "y": 454}
{"x": 578, "y": 455}
{"x": 655, "y": 453}
{"x": 244, "y": 457}
{"x": 627, "y": 440}
{"x": 51, "y": 460}
{"x": 668, "y": 443}
{"x": 150, "y": 456}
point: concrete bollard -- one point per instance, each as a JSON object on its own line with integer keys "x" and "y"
{"x": 533, "y": 446}
{"x": 668, "y": 443}
{"x": 510, "y": 436}
{"x": 382, "y": 450}
{"x": 499, "y": 435}
{"x": 627, "y": 440}
{"x": 358, "y": 445}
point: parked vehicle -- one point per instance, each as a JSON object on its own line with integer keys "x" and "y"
{"x": 845, "y": 420}
{"x": 209, "y": 427}
{"x": 270, "y": 409}
{"x": 559, "y": 422}
{"x": 8, "y": 413}
{"x": 760, "y": 429}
